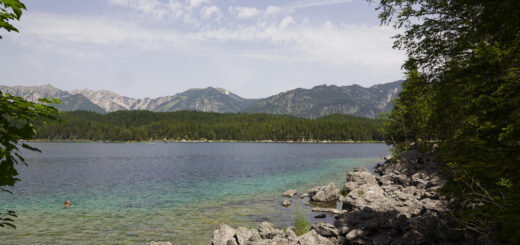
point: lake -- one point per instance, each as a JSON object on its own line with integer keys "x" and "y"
{"x": 178, "y": 192}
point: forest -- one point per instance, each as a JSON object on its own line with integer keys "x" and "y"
{"x": 193, "y": 125}
{"x": 462, "y": 93}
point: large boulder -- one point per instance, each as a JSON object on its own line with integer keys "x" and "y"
{"x": 267, "y": 230}
{"x": 313, "y": 238}
{"x": 325, "y": 229}
{"x": 361, "y": 176}
{"x": 366, "y": 196}
{"x": 324, "y": 193}
{"x": 357, "y": 178}
{"x": 223, "y": 235}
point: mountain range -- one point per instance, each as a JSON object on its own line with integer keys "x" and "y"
{"x": 308, "y": 103}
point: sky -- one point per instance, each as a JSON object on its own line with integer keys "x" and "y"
{"x": 151, "y": 48}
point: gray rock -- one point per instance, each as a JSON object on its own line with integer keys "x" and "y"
{"x": 436, "y": 205}
{"x": 313, "y": 238}
{"x": 291, "y": 234}
{"x": 329, "y": 210}
{"x": 401, "y": 179}
{"x": 353, "y": 234}
{"x": 358, "y": 177}
{"x": 286, "y": 203}
{"x": 325, "y": 193}
{"x": 267, "y": 230}
{"x": 242, "y": 235}
{"x": 361, "y": 176}
{"x": 367, "y": 196}
{"x": 290, "y": 193}
{"x": 223, "y": 234}
{"x": 325, "y": 229}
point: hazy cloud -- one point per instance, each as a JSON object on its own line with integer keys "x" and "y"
{"x": 211, "y": 11}
{"x": 244, "y": 12}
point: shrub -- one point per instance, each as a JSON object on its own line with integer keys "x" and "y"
{"x": 300, "y": 223}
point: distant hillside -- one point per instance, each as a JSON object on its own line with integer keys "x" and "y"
{"x": 325, "y": 100}
{"x": 308, "y": 103}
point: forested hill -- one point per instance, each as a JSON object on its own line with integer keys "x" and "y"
{"x": 192, "y": 125}
{"x": 330, "y": 99}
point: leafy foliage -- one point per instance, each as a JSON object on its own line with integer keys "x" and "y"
{"x": 16, "y": 123}
{"x": 10, "y": 10}
{"x": 408, "y": 122}
{"x": 192, "y": 125}
{"x": 462, "y": 91}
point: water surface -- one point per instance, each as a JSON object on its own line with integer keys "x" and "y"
{"x": 179, "y": 192}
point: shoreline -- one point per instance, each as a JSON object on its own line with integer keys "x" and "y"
{"x": 396, "y": 202}
{"x": 211, "y": 141}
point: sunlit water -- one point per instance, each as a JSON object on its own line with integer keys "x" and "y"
{"x": 133, "y": 193}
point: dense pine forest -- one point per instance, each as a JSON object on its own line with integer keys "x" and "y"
{"x": 192, "y": 125}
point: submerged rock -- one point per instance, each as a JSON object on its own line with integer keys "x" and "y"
{"x": 286, "y": 203}
{"x": 290, "y": 193}
{"x": 329, "y": 210}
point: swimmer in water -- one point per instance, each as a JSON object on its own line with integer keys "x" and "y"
{"x": 67, "y": 204}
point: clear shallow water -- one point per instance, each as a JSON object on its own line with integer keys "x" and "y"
{"x": 135, "y": 193}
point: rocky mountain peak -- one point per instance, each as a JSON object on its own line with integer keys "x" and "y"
{"x": 315, "y": 102}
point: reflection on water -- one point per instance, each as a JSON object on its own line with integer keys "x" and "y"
{"x": 177, "y": 192}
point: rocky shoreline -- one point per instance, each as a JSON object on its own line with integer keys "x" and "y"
{"x": 398, "y": 205}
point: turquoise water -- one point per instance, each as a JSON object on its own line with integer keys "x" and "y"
{"x": 133, "y": 193}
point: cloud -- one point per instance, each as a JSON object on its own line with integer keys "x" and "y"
{"x": 197, "y": 3}
{"x": 272, "y": 10}
{"x": 298, "y": 40}
{"x": 208, "y": 12}
{"x": 339, "y": 44}
{"x": 287, "y": 21}
{"x": 172, "y": 10}
{"x": 243, "y": 12}
{"x": 316, "y": 3}
{"x": 98, "y": 30}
